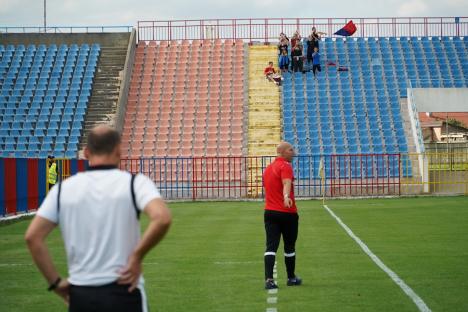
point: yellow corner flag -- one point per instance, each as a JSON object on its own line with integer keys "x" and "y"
{"x": 322, "y": 179}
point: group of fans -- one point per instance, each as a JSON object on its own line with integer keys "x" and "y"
{"x": 294, "y": 60}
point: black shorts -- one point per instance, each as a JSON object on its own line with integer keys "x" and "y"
{"x": 279, "y": 224}
{"x": 107, "y": 298}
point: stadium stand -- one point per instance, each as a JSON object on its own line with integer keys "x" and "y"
{"x": 358, "y": 111}
{"x": 44, "y": 96}
{"x": 186, "y": 99}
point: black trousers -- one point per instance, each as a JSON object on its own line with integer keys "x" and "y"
{"x": 297, "y": 64}
{"x": 279, "y": 224}
{"x": 316, "y": 68}
{"x": 107, "y": 298}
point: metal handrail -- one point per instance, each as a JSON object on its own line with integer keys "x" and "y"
{"x": 267, "y": 29}
{"x": 64, "y": 29}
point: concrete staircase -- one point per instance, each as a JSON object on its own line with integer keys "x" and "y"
{"x": 264, "y": 129}
{"x": 102, "y": 106}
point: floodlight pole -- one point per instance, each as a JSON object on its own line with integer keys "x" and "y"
{"x": 45, "y": 16}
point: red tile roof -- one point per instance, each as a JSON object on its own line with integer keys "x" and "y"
{"x": 440, "y": 117}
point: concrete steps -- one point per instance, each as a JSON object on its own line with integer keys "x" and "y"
{"x": 102, "y": 105}
{"x": 264, "y": 118}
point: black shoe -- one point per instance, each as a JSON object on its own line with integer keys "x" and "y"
{"x": 296, "y": 281}
{"x": 270, "y": 284}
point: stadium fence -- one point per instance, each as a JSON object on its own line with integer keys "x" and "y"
{"x": 268, "y": 29}
{"x": 23, "y": 182}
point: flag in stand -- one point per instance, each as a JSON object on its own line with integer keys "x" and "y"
{"x": 348, "y": 30}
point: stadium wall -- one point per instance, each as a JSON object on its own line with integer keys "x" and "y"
{"x": 441, "y": 99}
{"x": 125, "y": 86}
{"x": 23, "y": 182}
{"x": 104, "y": 39}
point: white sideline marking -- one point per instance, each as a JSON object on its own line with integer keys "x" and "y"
{"x": 272, "y": 300}
{"x": 273, "y": 293}
{"x": 406, "y": 289}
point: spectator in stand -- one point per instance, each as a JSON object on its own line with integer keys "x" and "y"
{"x": 270, "y": 74}
{"x": 283, "y": 44}
{"x": 316, "y": 61}
{"x": 313, "y": 42}
{"x": 284, "y": 61}
{"x": 295, "y": 39}
{"x": 296, "y": 55}
{"x": 316, "y": 36}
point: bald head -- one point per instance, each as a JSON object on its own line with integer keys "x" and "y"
{"x": 282, "y": 147}
{"x": 285, "y": 150}
{"x": 103, "y": 140}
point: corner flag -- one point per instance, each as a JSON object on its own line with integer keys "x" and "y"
{"x": 322, "y": 179}
{"x": 348, "y": 30}
{"x": 321, "y": 169}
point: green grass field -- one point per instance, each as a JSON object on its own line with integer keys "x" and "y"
{"x": 212, "y": 259}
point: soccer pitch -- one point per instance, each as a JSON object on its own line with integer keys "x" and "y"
{"x": 212, "y": 259}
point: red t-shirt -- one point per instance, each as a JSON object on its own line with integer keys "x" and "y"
{"x": 273, "y": 183}
{"x": 269, "y": 70}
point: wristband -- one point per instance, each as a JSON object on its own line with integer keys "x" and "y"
{"x": 54, "y": 284}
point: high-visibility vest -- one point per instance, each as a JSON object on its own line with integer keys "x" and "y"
{"x": 53, "y": 174}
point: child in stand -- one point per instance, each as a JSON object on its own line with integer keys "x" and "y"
{"x": 270, "y": 74}
{"x": 316, "y": 61}
{"x": 284, "y": 61}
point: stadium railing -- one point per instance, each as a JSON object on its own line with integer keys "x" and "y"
{"x": 268, "y": 29}
{"x": 316, "y": 176}
{"x": 23, "y": 182}
{"x": 65, "y": 29}
{"x": 444, "y": 173}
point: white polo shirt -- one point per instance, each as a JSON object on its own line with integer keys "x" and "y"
{"x": 98, "y": 222}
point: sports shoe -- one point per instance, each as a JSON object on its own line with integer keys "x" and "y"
{"x": 270, "y": 284}
{"x": 296, "y": 281}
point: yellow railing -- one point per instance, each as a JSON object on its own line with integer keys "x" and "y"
{"x": 435, "y": 173}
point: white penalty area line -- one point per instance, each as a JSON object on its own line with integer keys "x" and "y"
{"x": 17, "y": 216}
{"x": 236, "y": 262}
{"x": 406, "y": 289}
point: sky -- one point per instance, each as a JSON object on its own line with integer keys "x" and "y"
{"x": 125, "y": 12}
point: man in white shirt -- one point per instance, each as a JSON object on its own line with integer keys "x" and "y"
{"x": 98, "y": 214}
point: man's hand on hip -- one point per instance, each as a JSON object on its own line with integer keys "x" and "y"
{"x": 130, "y": 274}
{"x": 63, "y": 290}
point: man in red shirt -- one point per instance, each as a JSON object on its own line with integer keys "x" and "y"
{"x": 281, "y": 218}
